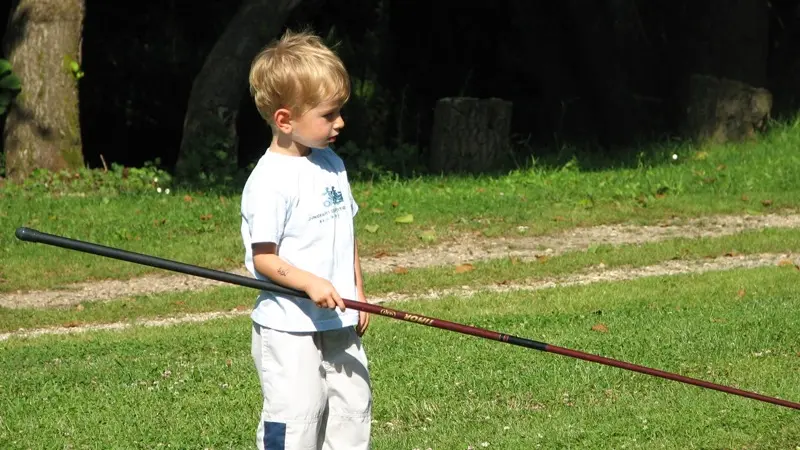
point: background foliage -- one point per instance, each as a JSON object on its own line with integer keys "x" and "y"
{"x": 554, "y": 60}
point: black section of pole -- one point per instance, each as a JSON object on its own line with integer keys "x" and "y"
{"x": 527, "y": 343}
{"x": 27, "y": 234}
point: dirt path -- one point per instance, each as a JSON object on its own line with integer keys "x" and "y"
{"x": 471, "y": 248}
{"x": 467, "y": 249}
{"x": 595, "y": 275}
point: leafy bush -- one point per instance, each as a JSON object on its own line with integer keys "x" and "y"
{"x": 149, "y": 179}
{"x": 370, "y": 164}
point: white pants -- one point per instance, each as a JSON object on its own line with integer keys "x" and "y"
{"x": 316, "y": 390}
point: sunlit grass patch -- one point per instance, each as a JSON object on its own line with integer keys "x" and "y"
{"x": 193, "y": 386}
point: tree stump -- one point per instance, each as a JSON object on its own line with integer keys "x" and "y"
{"x": 470, "y": 134}
{"x": 721, "y": 110}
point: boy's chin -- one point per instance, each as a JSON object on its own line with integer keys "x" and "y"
{"x": 318, "y": 144}
{"x": 322, "y": 143}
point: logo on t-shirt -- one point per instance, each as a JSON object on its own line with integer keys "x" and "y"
{"x": 332, "y": 201}
{"x": 332, "y": 197}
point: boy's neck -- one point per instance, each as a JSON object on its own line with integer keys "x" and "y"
{"x": 286, "y": 146}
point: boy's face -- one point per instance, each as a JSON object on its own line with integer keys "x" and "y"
{"x": 318, "y": 127}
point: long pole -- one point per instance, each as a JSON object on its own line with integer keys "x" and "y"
{"x": 27, "y": 234}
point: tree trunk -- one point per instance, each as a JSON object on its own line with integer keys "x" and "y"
{"x": 536, "y": 52}
{"x": 470, "y": 134}
{"x": 604, "y": 80}
{"x": 43, "y": 44}
{"x": 785, "y": 59}
{"x": 209, "y": 145}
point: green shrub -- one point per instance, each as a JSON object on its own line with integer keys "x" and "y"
{"x": 115, "y": 181}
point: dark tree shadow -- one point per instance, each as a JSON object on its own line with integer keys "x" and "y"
{"x": 15, "y": 26}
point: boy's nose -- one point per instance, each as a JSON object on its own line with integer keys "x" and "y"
{"x": 339, "y": 124}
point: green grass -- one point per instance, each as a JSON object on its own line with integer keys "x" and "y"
{"x": 193, "y": 386}
{"x": 166, "y": 226}
{"x": 486, "y": 273}
{"x": 736, "y": 179}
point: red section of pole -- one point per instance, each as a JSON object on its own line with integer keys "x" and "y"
{"x": 466, "y": 329}
{"x": 669, "y": 376}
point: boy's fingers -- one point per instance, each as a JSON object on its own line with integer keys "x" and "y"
{"x": 363, "y": 323}
{"x": 331, "y": 303}
{"x": 338, "y": 301}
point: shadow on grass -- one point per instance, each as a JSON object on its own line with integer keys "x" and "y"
{"x": 586, "y": 157}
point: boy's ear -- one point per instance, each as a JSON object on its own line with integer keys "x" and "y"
{"x": 283, "y": 120}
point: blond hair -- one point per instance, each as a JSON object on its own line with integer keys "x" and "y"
{"x": 297, "y": 72}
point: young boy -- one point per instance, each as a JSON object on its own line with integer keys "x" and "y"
{"x": 297, "y": 228}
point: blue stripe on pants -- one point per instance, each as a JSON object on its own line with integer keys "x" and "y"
{"x": 274, "y": 436}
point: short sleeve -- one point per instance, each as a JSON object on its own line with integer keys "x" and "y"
{"x": 265, "y": 212}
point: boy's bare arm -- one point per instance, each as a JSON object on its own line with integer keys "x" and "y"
{"x": 359, "y": 277}
{"x": 363, "y": 317}
{"x": 268, "y": 263}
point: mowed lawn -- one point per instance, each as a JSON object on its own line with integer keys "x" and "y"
{"x": 193, "y": 386}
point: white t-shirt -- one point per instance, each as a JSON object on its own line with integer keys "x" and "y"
{"x": 303, "y": 204}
